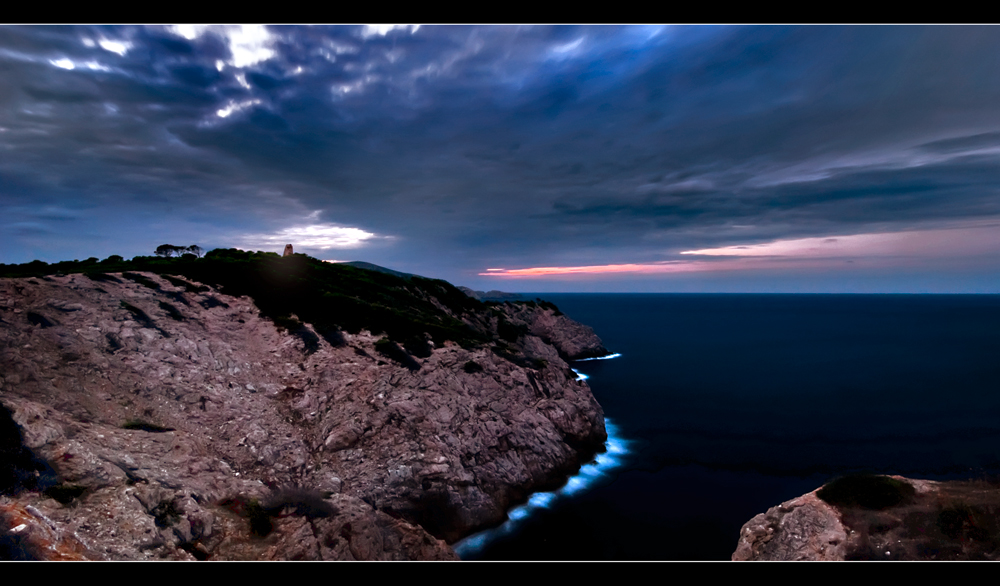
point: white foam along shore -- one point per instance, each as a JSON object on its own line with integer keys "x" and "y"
{"x": 581, "y": 376}
{"x": 606, "y": 357}
{"x": 587, "y": 477}
{"x": 615, "y": 450}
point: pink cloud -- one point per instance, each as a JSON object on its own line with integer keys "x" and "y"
{"x": 663, "y": 267}
{"x": 882, "y": 249}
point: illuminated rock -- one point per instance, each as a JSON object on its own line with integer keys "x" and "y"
{"x": 954, "y": 520}
{"x": 164, "y": 434}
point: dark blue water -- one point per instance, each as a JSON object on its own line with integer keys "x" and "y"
{"x": 735, "y": 403}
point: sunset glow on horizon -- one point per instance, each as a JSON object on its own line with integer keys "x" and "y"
{"x": 946, "y": 243}
{"x": 662, "y": 267}
{"x": 951, "y": 241}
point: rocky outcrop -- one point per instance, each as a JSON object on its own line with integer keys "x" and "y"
{"x": 491, "y": 295}
{"x": 573, "y": 340}
{"x": 879, "y": 518}
{"x": 805, "y": 528}
{"x": 179, "y": 423}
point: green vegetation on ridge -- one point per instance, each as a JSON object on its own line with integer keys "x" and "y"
{"x": 329, "y": 296}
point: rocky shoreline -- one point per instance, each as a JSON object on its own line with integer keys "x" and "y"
{"x": 870, "y": 518}
{"x": 166, "y": 420}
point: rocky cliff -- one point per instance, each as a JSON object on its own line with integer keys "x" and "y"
{"x": 879, "y": 518}
{"x": 150, "y": 415}
{"x": 574, "y": 341}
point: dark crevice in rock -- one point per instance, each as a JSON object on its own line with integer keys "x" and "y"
{"x": 38, "y": 319}
{"x": 66, "y": 493}
{"x": 142, "y": 425}
{"x": 210, "y": 301}
{"x": 20, "y": 468}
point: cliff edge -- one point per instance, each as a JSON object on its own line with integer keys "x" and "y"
{"x": 867, "y": 517}
{"x": 179, "y": 410}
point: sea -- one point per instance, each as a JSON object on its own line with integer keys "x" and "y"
{"x": 720, "y": 406}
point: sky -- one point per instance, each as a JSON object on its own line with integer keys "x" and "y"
{"x": 817, "y": 159}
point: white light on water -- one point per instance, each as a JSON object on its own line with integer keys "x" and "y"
{"x": 580, "y": 375}
{"x": 608, "y": 357}
{"x": 616, "y": 448}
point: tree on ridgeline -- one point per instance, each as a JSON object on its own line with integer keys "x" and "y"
{"x": 168, "y": 250}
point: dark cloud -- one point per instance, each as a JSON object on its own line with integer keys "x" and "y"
{"x": 461, "y": 147}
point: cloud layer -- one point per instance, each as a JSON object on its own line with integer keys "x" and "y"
{"x": 447, "y": 150}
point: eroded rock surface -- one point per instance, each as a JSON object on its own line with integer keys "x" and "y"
{"x": 171, "y": 415}
{"x": 573, "y": 340}
{"x": 939, "y": 521}
{"x": 805, "y": 528}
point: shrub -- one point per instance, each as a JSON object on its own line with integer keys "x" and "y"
{"x": 391, "y": 350}
{"x": 189, "y": 287}
{"x": 145, "y": 282}
{"x": 866, "y": 491}
{"x": 260, "y": 520}
{"x": 286, "y": 501}
{"x": 102, "y": 277}
{"x": 299, "y": 501}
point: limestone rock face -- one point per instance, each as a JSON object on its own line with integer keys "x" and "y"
{"x": 573, "y": 340}
{"x": 172, "y": 416}
{"x": 955, "y": 520}
{"x": 801, "y": 529}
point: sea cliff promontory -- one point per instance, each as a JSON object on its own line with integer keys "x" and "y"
{"x": 246, "y": 406}
{"x": 872, "y": 517}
